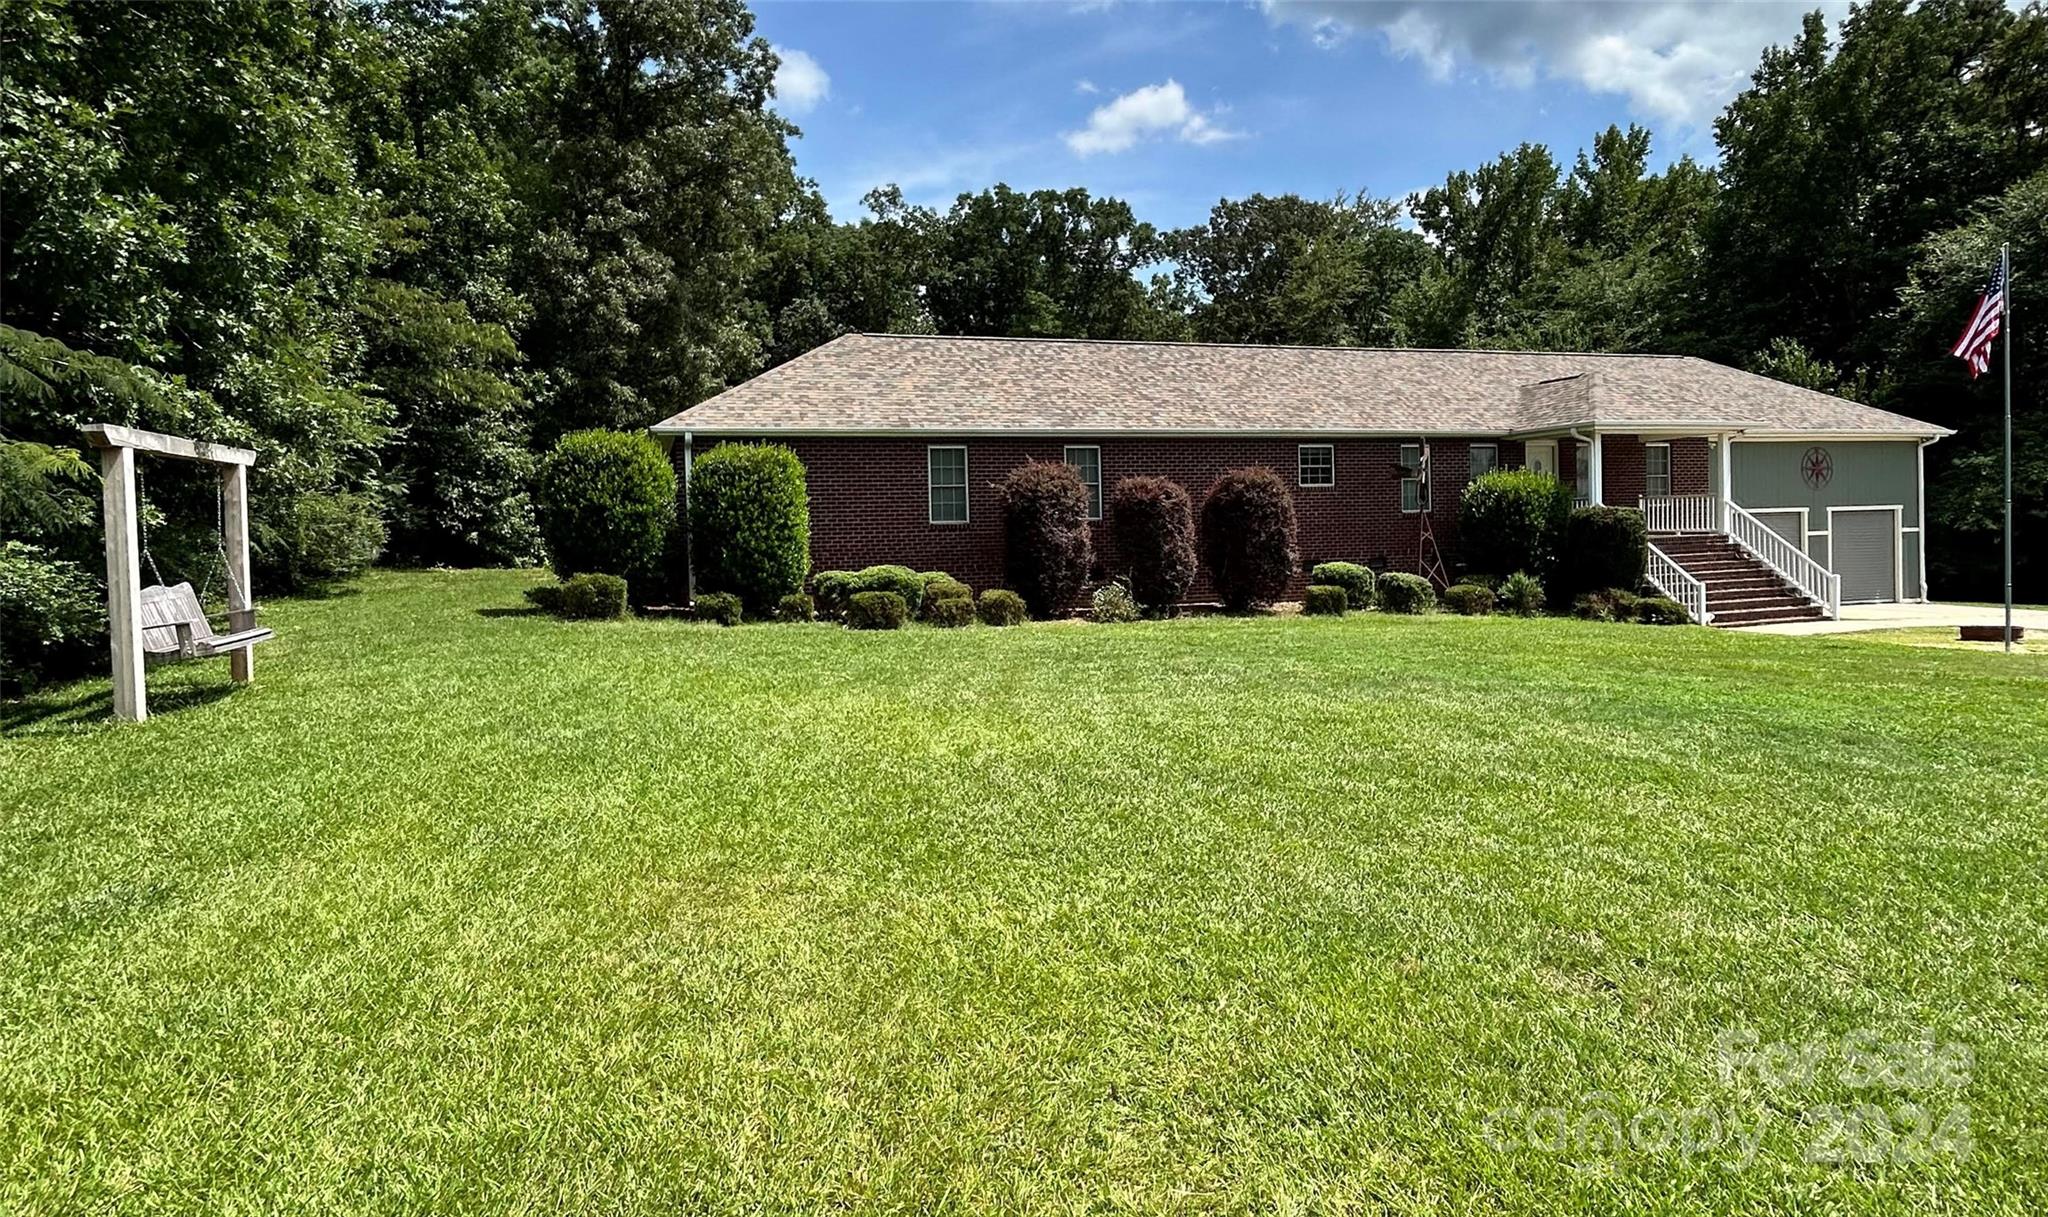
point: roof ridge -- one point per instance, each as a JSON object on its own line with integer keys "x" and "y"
{"x": 1270, "y": 346}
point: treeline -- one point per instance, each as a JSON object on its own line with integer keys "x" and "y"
{"x": 401, "y": 247}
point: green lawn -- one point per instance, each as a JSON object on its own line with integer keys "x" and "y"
{"x": 463, "y": 911}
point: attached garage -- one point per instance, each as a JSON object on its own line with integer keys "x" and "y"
{"x": 1865, "y": 545}
{"x": 1852, "y": 505}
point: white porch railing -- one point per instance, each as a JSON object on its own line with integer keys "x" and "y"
{"x": 1580, "y": 500}
{"x": 1671, "y": 579}
{"x": 1791, "y": 565}
{"x": 1681, "y": 512}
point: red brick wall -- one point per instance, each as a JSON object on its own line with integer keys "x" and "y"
{"x": 869, "y": 505}
{"x": 1622, "y": 468}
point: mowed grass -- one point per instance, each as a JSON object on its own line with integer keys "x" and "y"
{"x": 468, "y": 912}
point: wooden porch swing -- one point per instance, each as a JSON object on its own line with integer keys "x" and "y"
{"x": 162, "y": 622}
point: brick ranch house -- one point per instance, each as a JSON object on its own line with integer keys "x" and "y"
{"x": 1765, "y": 501}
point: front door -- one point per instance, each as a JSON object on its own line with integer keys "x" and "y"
{"x": 1540, "y": 456}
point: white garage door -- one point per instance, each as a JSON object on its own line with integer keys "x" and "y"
{"x": 1864, "y": 545}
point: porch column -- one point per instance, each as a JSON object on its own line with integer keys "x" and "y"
{"x": 1593, "y": 472}
{"x": 1727, "y": 480}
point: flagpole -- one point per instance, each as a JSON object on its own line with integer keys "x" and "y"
{"x": 2005, "y": 277}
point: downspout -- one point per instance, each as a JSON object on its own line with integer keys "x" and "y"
{"x": 1596, "y": 484}
{"x": 1920, "y": 460}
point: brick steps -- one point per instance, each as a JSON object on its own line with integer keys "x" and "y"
{"x": 1740, "y": 589}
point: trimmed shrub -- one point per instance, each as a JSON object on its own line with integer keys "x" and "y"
{"x": 942, "y": 589}
{"x": 594, "y": 597}
{"x": 1660, "y": 610}
{"x": 1604, "y": 547}
{"x": 833, "y": 588}
{"x": 1045, "y": 534}
{"x": 750, "y": 523}
{"x": 1514, "y": 519}
{"x": 876, "y": 611}
{"x": 796, "y": 607}
{"x": 585, "y": 597}
{"x": 1248, "y": 537}
{"x": 607, "y": 501}
{"x": 1152, "y": 527}
{"x": 901, "y": 580}
{"x": 1326, "y": 600}
{"x": 936, "y": 576}
{"x": 1521, "y": 594}
{"x": 1468, "y": 600}
{"x": 1001, "y": 606}
{"x": 1401, "y": 592}
{"x": 949, "y": 612}
{"x": 1113, "y": 604}
{"x": 726, "y": 608}
{"x": 1606, "y": 604}
{"x": 1356, "y": 581}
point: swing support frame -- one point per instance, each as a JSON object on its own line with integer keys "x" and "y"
{"x": 117, "y": 447}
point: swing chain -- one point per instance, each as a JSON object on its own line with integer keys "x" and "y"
{"x": 220, "y": 540}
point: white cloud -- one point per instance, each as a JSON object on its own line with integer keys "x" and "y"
{"x": 1160, "y": 109}
{"x": 1084, "y": 85}
{"x": 800, "y": 83}
{"x": 1679, "y": 60}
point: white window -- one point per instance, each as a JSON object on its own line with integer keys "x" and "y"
{"x": 1414, "y": 487}
{"x": 1582, "y": 467}
{"x": 1485, "y": 459}
{"x": 1087, "y": 461}
{"x": 1656, "y": 469}
{"x": 946, "y": 476}
{"x": 1316, "y": 465}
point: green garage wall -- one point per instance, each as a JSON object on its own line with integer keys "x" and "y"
{"x": 1866, "y": 473}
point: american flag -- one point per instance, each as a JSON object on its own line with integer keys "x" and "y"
{"x": 1974, "y": 347}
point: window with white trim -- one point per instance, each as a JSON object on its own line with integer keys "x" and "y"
{"x": 1316, "y": 465}
{"x": 1415, "y": 486}
{"x": 946, "y": 482}
{"x": 1582, "y": 467}
{"x": 1485, "y": 459}
{"x": 1086, "y": 461}
{"x": 1656, "y": 469}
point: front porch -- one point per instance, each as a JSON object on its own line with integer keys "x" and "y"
{"x": 1708, "y": 553}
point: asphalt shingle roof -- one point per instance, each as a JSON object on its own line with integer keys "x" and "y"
{"x": 888, "y": 383}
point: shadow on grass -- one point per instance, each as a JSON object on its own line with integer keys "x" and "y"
{"x": 524, "y": 610}
{"x": 59, "y": 710}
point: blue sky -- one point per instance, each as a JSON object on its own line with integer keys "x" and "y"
{"x": 1174, "y": 105}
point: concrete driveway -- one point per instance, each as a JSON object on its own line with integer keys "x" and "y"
{"x": 1856, "y": 617}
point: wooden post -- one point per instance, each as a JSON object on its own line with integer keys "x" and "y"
{"x": 124, "y": 583}
{"x": 241, "y": 607}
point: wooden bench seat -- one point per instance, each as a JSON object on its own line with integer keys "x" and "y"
{"x": 175, "y": 625}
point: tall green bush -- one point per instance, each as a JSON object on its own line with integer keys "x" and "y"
{"x": 607, "y": 500}
{"x": 1514, "y": 519}
{"x": 1247, "y": 537}
{"x": 1046, "y": 544}
{"x": 750, "y": 523}
{"x": 1152, "y": 527}
{"x": 1604, "y": 547}
{"x": 53, "y": 617}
